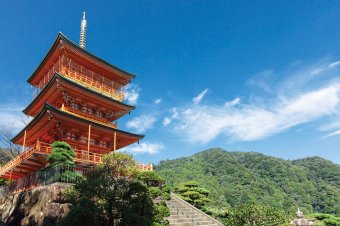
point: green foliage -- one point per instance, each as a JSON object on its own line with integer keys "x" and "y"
{"x": 151, "y": 178}
{"x": 155, "y": 192}
{"x": 3, "y": 181}
{"x": 324, "y": 219}
{"x": 160, "y": 213}
{"x": 255, "y": 215}
{"x": 193, "y": 194}
{"x": 111, "y": 195}
{"x": 121, "y": 164}
{"x": 62, "y": 154}
{"x": 238, "y": 178}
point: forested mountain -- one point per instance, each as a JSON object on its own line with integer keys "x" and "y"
{"x": 236, "y": 178}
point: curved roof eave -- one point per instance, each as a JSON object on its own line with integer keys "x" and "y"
{"x": 63, "y": 37}
{"x": 57, "y": 75}
{"x": 50, "y": 107}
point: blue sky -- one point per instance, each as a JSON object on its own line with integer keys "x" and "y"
{"x": 257, "y": 76}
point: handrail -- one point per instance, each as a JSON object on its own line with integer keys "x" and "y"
{"x": 17, "y": 160}
{"x": 81, "y": 155}
{"x": 193, "y": 207}
{"x": 84, "y": 79}
{"x": 46, "y": 149}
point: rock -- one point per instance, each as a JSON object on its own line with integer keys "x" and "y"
{"x": 42, "y": 206}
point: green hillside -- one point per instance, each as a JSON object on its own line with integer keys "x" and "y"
{"x": 236, "y": 178}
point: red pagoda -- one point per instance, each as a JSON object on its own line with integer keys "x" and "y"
{"x": 78, "y": 99}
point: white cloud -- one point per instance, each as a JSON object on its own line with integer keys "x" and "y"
{"x": 240, "y": 121}
{"x": 158, "y": 101}
{"x": 334, "y": 133}
{"x": 166, "y": 121}
{"x": 132, "y": 93}
{"x": 262, "y": 80}
{"x": 145, "y": 148}
{"x": 232, "y": 103}
{"x": 141, "y": 123}
{"x": 11, "y": 115}
{"x": 199, "y": 97}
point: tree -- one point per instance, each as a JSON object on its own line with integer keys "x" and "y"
{"x": 255, "y": 215}
{"x": 62, "y": 154}
{"x": 192, "y": 193}
{"x": 6, "y": 134}
{"x": 150, "y": 178}
{"x": 111, "y": 195}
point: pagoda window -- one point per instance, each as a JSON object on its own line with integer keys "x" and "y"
{"x": 99, "y": 114}
{"x": 83, "y": 140}
{"x": 68, "y": 135}
{"x": 73, "y": 136}
{"x": 90, "y": 111}
{"x": 74, "y": 106}
{"x": 92, "y": 141}
{"x": 84, "y": 108}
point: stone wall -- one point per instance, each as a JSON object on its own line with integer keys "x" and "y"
{"x": 43, "y": 206}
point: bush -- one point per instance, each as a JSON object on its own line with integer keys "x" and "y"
{"x": 160, "y": 213}
{"x": 166, "y": 189}
{"x": 320, "y": 216}
{"x": 166, "y": 196}
{"x": 193, "y": 194}
{"x": 150, "y": 178}
{"x": 62, "y": 154}
{"x": 155, "y": 192}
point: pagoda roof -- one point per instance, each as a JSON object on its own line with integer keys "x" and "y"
{"x": 61, "y": 38}
{"x": 40, "y": 124}
{"x": 51, "y": 86}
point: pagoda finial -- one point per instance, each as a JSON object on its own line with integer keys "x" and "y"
{"x": 82, "y": 42}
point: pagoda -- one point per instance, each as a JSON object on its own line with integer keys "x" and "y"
{"x": 78, "y": 98}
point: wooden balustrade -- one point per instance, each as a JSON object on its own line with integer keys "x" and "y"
{"x": 89, "y": 81}
{"x": 45, "y": 149}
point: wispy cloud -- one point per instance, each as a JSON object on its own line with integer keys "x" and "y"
{"x": 141, "y": 123}
{"x": 334, "y": 133}
{"x": 11, "y": 115}
{"x": 199, "y": 97}
{"x": 168, "y": 120}
{"x": 291, "y": 105}
{"x": 145, "y": 148}
{"x": 158, "y": 101}
{"x": 132, "y": 93}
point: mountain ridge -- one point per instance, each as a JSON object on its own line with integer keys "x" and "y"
{"x": 236, "y": 178}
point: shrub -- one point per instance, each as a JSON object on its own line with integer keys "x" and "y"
{"x": 62, "y": 154}
{"x": 150, "y": 178}
{"x": 155, "y": 192}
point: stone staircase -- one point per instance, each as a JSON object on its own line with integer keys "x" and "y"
{"x": 184, "y": 214}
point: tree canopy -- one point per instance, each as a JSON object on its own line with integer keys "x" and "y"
{"x": 112, "y": 195}
{"x": 239, "y": 178}
{"x": 62, "y": 154}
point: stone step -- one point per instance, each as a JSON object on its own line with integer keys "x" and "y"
{"x": 183, "y": 214}
{"x": 193, "y": 224}
{"x": 190, "y": 212}
{"x": 188, "y": 219}
{"x": 180, "y": 209}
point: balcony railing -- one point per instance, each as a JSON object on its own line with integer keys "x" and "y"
{"x": 88, "y": 116}
{"x": 45, "y": 177}
{"x": 45, "y": 149}
{"x": 92, "y": 83}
